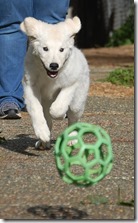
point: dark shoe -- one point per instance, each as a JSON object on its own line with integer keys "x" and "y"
{"x": 9, "y": 110}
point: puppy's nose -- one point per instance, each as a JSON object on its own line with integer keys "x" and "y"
{"x": 54, "y": 66}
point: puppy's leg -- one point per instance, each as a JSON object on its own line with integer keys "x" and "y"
{"x": 74, "y": 114}
{"x": 40, "y": 144}
{"x": 77, "y": 104}
{"x": 35, "y": 110}
{"x": 73, "y": 117}
{"x": 60, "y": 106}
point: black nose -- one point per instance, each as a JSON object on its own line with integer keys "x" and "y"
{"x": 54, "y": 66}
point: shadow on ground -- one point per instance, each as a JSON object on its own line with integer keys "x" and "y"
{"x": 57, "y": 212}
{"x": 19, "y": 144}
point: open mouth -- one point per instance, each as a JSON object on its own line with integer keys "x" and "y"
{"x": 52, "y": 74}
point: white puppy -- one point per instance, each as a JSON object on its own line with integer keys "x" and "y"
{"x": 56, "y": 79}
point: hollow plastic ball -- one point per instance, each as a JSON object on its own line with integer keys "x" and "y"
{"x": 83, "y": 154}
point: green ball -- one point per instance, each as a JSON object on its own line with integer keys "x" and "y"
{"x": 83, "y": 154}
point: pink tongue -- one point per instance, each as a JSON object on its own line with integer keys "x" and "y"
{"x": 52, "y": 74}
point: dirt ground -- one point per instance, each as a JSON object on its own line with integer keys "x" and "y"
{"x": 110, "y": 57}
{"x": 30, "y": 186}
{"x": 107, "y": 59}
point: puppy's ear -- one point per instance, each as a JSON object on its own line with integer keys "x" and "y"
{"x": 77, "y": 24}
{"x": 30, "y": 26}
{"x": 74, "y": 25}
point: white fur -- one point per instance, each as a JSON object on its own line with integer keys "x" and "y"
{"x": 54, "y": 97}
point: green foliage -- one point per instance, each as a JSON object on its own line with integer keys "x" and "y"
{"x": 121, "y": 76}
{"x": 125, "y": 34}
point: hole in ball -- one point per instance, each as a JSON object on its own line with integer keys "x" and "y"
{"x": 90, "y": 156}
{"x": 103, "y": 151}
{"x": 89, "y": 138}
{"x": 95, "y": 170}
{"x": 62, "y": 160}
{"x": 74, "y": 151}
{"x": 77, "y": 170}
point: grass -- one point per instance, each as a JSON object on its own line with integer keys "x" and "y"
{"x": 99, "y": 199}
{"x": 122, "y": 76}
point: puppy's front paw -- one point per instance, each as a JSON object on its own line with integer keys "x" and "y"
{"x": 57, "y": 112}
{"x": 73, "y": 141}
{"x": 42, "y": 132}
{"x": 42, "y": 145}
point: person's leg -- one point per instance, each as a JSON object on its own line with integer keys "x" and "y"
{"x": 12, "y": 51}
{"x": 50, "y": 11}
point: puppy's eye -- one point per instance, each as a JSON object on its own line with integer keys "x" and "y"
{"x": 61, "y": 49}
{"x": 45, "y": 48}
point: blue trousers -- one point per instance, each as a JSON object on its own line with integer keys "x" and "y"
{"x": 13, "y": 43}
